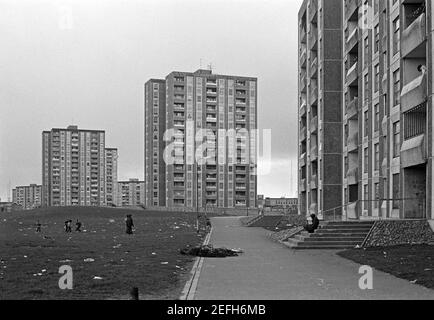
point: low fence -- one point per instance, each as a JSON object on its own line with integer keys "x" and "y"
{"x": 210, "y": 210}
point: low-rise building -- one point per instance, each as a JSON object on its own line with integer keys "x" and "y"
{"x": 131, "y": 193}
{"x": 27, "y": 197}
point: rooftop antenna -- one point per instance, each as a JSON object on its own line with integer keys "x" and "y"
{"x": 9, "y": 190}
{"x": 200, "y": 64}
{"x": 210, "y": 67}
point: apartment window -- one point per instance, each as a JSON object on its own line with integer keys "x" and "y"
{"x": 396, "y": 139}
{"x": 377, "y": 156}
{"x": 377, "y": 117}
{"x": 377, "y": 38}
{"x": 396, "y": 191}
{"x": 396, "y": 36}
{"x": 396, "y": 87}
{"x": 366, "y": 117}
{"x": 366, "y": 197}
{"x": 377, "y": 195}
{"x": 377, "y": 78}
{"x": 366, "y": 44}
{"x": 366, "y": 83}
{"x": 346, "y": 165}
{"x": 366, "y": 162}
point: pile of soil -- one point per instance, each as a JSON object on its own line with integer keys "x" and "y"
{"x": 209, "y": 251}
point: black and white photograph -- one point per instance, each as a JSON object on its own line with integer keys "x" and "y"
{"x": 214, "y": 156}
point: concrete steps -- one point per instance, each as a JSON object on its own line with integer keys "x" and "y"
{"x": 332, "y": 235}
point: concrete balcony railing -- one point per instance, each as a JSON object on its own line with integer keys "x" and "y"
{"x": 351, "y": 7}
{"x": 313, "y": 125}
{"x": 353, "y": 109}
{"x": 314, "y": 68}
{"x": 313, "y": 9}
{"x": 303, "y": 35}
{"x": 303, "y": 84}
{"x": 303, "y": 134}
{"x": 413, "y": 36}
{"x": 303, "y": 109}
{"x": 352, "y": 40}
{"x": 302, "y": 160}
{"x": 314, "y": 182}
{"x": 303, "y": 185}
{"x": 353, "y": 142}
{"x": 353, "y": 210}
{"x": 353, "y": 74}
{"x": 313, "y": 154}
{"x": 414, "y": 93}
{"x": 353, "y": 176}
{"x": 414, "y": 152}
{"x": 303, "y": 58}
{"x": 313, "y": 39}
{"x": 313, "y": 94}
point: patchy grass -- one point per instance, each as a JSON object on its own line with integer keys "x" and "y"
{"x": 149, "y": 259}
{"x": 413, "y": 263}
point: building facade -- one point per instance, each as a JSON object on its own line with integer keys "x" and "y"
{"x": 131, "y": 193}
{"x": 27, "y": 197}
{"x": 387, "y": 114}
{"x": 111, "y": 175}
{"x": 209, "y": 150}
{"x": 155, "y": 127}
{"x": 320, "y": 107}
{"x": 73, "y": 167}
{"x": 387, "y": 73}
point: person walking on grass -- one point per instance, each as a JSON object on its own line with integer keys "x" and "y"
{"x": 68, "y": 227}
{"x": 78, "y": 226}
{"x": 129, "y": 224}
{"x": 38, "y": 227}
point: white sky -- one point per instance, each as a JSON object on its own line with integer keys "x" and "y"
{"x": 85, "y": 62}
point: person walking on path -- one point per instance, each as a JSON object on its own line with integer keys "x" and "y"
{"x": 129, "y": 224}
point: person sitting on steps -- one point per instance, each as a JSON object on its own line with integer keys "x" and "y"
{"x": 314, "y": 226}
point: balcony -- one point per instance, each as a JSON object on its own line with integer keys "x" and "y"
{"x": 211, "y": 119}
{"x": 303, "y": 58}
{"x": 414, "y": 93}
{"x": 353, "y": 176}
{"x": 413, "y": 37}
{"x": 353, "y": 75}
{"x": 303, "y": 185}
{"x": 351, "y": 9}
{"x": 314, "y": 68}
{"x": 353, "y": 109}
{"x": 313, "y": 154}
{"x": 313, "y": 125}
{"x": 352, "y": 40}
{"x": 302, "y": 161}
{"x": 414, "y": 152}
{"x": 353, "y": 142}
{"x": 314, "y": 182}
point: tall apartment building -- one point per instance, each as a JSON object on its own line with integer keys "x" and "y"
{"x": 320, "y": 107}
{"x": 28, "y": 197}
{"x": 196, "y": 112}
{"x": 130, "y": 193}
{"x": 73, "y": 167}
{"x": 155, "y": 127}
{"x": 111, "y": 175}
{"x": 387, "y": 112}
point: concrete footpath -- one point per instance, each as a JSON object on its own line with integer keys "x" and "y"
{"x": 270, "y": 271}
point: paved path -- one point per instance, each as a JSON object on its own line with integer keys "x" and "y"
{"x": 270, "y": 271}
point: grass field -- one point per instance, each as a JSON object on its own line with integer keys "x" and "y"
{"x": 414, "y": 263}
{"x": 149, "y": 259}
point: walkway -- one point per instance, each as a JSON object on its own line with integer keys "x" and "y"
{"x": 270, "y": 271}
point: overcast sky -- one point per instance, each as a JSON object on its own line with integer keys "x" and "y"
{"x": 85, "y": 63}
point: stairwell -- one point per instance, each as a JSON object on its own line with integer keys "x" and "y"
{"x": 332, "y": 235}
